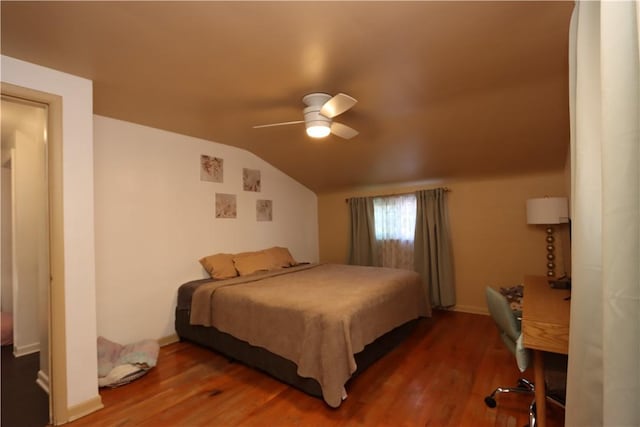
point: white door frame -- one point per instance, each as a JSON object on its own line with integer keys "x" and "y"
{"x": 58, "y": 410}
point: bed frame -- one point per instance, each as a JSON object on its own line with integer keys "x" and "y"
{"x": 274, "y": 365}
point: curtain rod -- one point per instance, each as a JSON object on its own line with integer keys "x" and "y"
{"x": 446, "y": 189}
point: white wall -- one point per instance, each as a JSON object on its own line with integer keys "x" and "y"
{"x": 155, "y": 218}
{"x": 7, "y": 260}
{"x": 29, "y": 239}
{"x": 23, "y": 145}
{"x": 79, "y": 251}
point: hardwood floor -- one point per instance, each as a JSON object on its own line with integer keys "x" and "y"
{"x": 438, "y": 377}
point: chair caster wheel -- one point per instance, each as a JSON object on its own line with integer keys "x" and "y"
{"x": 490, "y": 402}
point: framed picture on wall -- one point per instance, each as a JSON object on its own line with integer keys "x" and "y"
{"x": 264, "y": 210}
{"x": 226, "y": 205}
{"x": 251, "y": 180}
{"x": 211, "y": 168}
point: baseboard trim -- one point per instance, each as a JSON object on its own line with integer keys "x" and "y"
{"x": 168, "y": 340}
{"x": 26, "y": 349}
{"x": 85, "y": 408}
{"x": 43, "y": 381}
{"x": 471, "y": 309}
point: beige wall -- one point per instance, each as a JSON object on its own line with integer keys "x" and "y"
{"x": 492, "y": 244}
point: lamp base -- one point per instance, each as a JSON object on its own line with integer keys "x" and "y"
{"x": 550, "y": 253}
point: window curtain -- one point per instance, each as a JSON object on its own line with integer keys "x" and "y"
{"x": 432, "y": 247}
{"x": 362, "y": 243}
{"x": 603, "y": 381}
{"x": 395, "y": 223}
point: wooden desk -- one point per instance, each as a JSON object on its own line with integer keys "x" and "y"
{"x": 545, "y": 327}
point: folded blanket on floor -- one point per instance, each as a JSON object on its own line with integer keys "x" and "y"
{"x": 118, "y": 364}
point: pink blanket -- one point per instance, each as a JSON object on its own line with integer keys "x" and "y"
{"x": 6, "y": 324}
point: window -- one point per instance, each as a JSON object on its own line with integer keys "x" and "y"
{"x": 395, "y": 224}
{"x": 395, "y": 217}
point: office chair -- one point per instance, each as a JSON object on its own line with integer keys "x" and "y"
{"x": 508, "y": 324}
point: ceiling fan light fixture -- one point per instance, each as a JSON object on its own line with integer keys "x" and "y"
{"x": 319, "y": 112}
{"x": 318, "y": 130}
{"x": 318, "y": 126}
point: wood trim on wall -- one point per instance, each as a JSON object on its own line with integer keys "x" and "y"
{"x": 168, "y": 340}
{"x": 43, "y": 381}
{"x": 84, "y": 408}
{"x": 19, "y": 351}
{"x": 470, "y": 309}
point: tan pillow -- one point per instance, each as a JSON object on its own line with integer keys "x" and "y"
{"x": 219, "y": 266}
{"x": 281, "y": 257}
{"x": 250, "y": 262}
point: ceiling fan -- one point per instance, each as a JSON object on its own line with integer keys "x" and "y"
{"x": 319, "y": 112}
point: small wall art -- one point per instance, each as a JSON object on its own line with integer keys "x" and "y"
{"x": 264, "y": 210}
{"x": 251, "y": 180}
{"x": 226, "y": 205}
{"x": 211, "y": 168}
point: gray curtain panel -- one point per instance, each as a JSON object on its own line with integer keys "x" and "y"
{"x": 433, "y": 256}
{"x": 362, "y": 245}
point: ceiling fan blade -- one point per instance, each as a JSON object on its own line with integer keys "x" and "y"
{"x": 279, "y": 124}
{"x": 343, "y": 131}
{"x": 337, "y": 105}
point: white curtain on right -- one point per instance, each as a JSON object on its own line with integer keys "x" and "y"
{"x": 603, "y": 384}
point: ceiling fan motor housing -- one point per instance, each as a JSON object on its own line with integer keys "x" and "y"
{"x": 318, "y": 99}
{"x": 312, "y": 117}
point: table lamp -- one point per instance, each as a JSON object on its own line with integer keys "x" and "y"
{"x": 548, "y": 211}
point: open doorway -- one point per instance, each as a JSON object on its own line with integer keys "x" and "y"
{"x": 25, "y": 263}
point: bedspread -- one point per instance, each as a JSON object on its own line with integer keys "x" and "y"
{"x": 317, "y": 316}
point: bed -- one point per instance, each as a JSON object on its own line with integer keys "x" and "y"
{"x": 312, "y": 326}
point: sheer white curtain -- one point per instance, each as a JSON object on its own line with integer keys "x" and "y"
{"x": 603, "y": 384}
{"x": 395, "y": 224}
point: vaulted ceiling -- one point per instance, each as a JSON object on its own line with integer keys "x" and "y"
{"x": 445, "y": 90}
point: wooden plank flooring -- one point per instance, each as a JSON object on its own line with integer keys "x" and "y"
{"x": 437, "y": 377}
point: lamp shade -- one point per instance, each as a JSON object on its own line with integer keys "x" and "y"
{"x": 547, "y": 210}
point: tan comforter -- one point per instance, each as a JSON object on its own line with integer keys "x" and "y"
{"x": 317, "y": 316}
